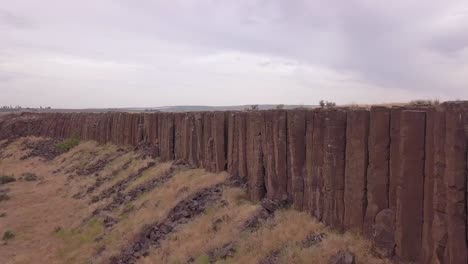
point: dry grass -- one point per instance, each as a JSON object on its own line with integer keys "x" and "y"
{"x": 37, "y": 208}
{"x": 152, "y": 207}
{"x": 200, "y": 235}
{"x": 287, "y": 227}
{"x": 151, "y": 173}
{"x": 330, "y": 246}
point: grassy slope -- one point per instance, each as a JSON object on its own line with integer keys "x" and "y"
{"x": 50, "y": 225}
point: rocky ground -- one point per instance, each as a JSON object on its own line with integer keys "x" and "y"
{"x": 106, "y": 204}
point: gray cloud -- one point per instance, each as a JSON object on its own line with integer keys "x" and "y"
{"x": 390, "y": 51}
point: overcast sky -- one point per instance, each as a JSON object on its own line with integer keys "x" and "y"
{"x": 123, "y": 53}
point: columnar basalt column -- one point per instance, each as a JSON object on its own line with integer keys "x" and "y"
{"x": 254, "y": 155}
{"x": 232, "y": 145}
{"x": 409, "y": 204}
{"x": 378, "y": 169}
{"x": 427, "y": 241}
{"x": 296, "y": 125}
{"x": 309, "y": 180}
{"x": 314, "y": 157}
{"x": 439, "y": 223}
{"x": 455, "y": 182}
{"x": 357, "y": 133}
{"x": 334, "y": 168}
{"x": 219, "y": 141}
{"x": 274, "y": 154}
{"x": 241, "y": 129}
{"x": 166, "y": 136}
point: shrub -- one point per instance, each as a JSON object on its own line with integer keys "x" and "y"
{"x": 8, "y": 235}
{"x": 424, "y": 102}
{"x": 29, "y": 176}
{"x": 68, "y": 144}
{"x": 4, "y": 179}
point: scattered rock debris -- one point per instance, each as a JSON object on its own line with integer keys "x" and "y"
{"x": 46, "y": 149}
{"x": 182, "y": 213}
{"x": 343, "y": 257}
{"x": 29, "y": 176}
{"x": 262, "y": 214}
{"x": 121, "y": 185}
{"x": 4, "y": 179}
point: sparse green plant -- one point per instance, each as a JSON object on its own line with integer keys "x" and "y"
{"x": 29, "y": 176}
{"x": 252, "y": 108}
{"x": 4, "y": 197}
{"x": 326, "y": 104}
{"x": 422, "y": 102}
{"x": 68, "y": 144}
{"x": 8, "y": 235}
{"x": 203, "y": 259}
{"x": 4, "y": 179}
{"x": 322, "y": 103}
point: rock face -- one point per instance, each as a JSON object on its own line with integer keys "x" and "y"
{"x": 378, "y": 169}
{"x": 398, "y": 175}
{"x": 409, "y": 207}
{"x": 357, "y": 133}
{"x": 342, "y": 257}
{"x": 383, "y": 235}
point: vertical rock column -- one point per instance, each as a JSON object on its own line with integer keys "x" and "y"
{"x": 357, "y": 133}
{"x": 439, "y": 223}
{"x": 274, "y": 154}
{"x": 427, "y": 241}
{"x": 208, "y": 142}
{"x": 314, "y": 160}
{"x": 334, "y": 168}
{"x": 394, "y": 168}
{"x": 296, "y": 122}
{"x": 198, "y": 119}
{"x": 254, "y": 155}
{"x": 410, "y": 188}
{"x": 378, "y": 169}
{"x": 218, "y": 132}
{"x": 241, "y": 129}
{"x": 309, "y": 180}
{"x": 166, "y": 136}
{"x": 455, "y": 182}
{"x": 232, "y": 145}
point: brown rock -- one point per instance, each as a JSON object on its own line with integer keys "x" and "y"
{"x": 274, "y": 154}
{"x": 357, "y": 134}
{"x": 334, "y": 168}
{"x": 377, "y": 171}
{"x": 455, "y": 182}
{"x": 314, "y": 158}
{"x": 343, "y": 257}
{"x": 254, "y": 155}
{"x": 383, "y": 236}
{"x": 409, "y": 210}
{"x": 296, "y": 124}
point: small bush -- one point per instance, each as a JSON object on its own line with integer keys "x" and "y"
{"x": 326, "y": 104}
{"x": 8, "y": 235}
{"x": 4, "y": 179}
{"x": 424, "y": 102}
{"x": 68, "y": 144}
{"x": 252, "y": 108}
{"x": 4, "y": 197}
{"x": 29, "y": 176}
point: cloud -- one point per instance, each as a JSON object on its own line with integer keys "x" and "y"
{"x": 235, "y": 52}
